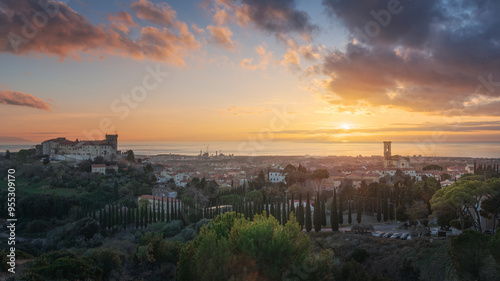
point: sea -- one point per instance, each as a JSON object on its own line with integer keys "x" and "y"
{"x": 291, "y": 148}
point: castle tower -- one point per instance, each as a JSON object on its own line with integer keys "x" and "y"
{"x": 387, "y": 149}
{"x": 113, "y": 139}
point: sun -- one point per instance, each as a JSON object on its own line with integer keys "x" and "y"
{"x": 346, "y": 126}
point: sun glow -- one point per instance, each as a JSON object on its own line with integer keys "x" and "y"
{"x": 346, "y": 126}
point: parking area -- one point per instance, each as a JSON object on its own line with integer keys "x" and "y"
{"x": 392, "y": 228}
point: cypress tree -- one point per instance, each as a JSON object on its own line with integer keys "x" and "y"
{"x": 120, "y": 215}
{"x": 104, "y": 219}
{"x": 130, "y": 213}
{"x": 255, "y": 207}
{"x": 245, "y": 210}
{"x": 137, "y": 220}
{"x": 341, "y": 210}
{"x": 168, "y": 209}
{"x": 349, "y": 215}
{"x": 334, "y": 219}
{"x": 278, "y": 211}
{"x": 358, "y": 212}
{"x": 100, "y": 218}
{"x": 300, "y": 212}
{"x": 323, "y": 210}
{"x": 379, "y": 209}
{"x": 150, "y": 214}
{"x": 111, "y": 215}
{"x": 391, "y": 210}
{"x": 125, "y": 219}
{"x": 285, "y": 212}
{"x": 162, "y": 210}
{"x": 308, "y": 214}
{"x": 317, "y": 214}
{"x": 145, "y": 219}
{"x": 266, "y": 206}
{"x": 172, "y": 209}
{"x": 153, "y": 219}
{"x": 272, "y": 212}
{"x": 386, "y": 210}
{"x": 292, "y": 208}
{"x": 117, "y": 215}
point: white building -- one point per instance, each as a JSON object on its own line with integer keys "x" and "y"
{"x": 62, "y": 146}
{"x": 98, "y": 168}
{"x": 276, "y": 177}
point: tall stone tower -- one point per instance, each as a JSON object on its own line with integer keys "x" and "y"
{"x": 113, "y": 139}
{"x": 387, "y": 150}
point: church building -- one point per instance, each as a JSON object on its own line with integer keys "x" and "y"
{"x": 396, "y": 161}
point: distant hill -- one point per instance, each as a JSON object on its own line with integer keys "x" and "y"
{"x": 8, "y": 138}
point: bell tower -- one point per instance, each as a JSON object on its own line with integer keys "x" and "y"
{"x": 113, "y": 139}
{"x": 387, "y": 150}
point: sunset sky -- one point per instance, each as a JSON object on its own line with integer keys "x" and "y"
{"x": 338, "y": 70}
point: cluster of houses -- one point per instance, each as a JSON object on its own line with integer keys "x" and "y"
{"x": 64, "y": 149}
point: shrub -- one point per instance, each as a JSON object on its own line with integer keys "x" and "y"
{"x": 359, "y": 255}
{"x": 233, "y": 247}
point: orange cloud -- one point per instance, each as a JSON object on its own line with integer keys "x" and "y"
{"x": 69, "y": 34}
{"x": 275, "y": 17}
{"x": 265, "y": 59}
{"x": 160, "y": 14}
{"x": 236, "y": 110}
{"x": 122, "y": 21}
{"x": 221, "y": 35}
{"x": 22, "y": 99}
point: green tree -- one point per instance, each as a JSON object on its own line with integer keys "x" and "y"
{"x": 334, "y": 219}
{"x": 308, "y": 214}
{"x": 359, "y": 211}
{"x": 130, "y": 156}
{"x": 490, "y": 206}
{"x": 234, "y": 247}
{"x": 349, "y": 214}
{"x": 317, "y": 214}
{"x": 323, "y": 211}
{"x": 109, "y": 260}
{"x": 464, "y": 197}
{"x": 300, "y": 212}
{"x": 7, "y": 154}
{"x": 341, "y": 210}
{"x": 379, "y": 209}
{"x": 433, "y": 167}
{"x": 385, "y": 209}
{"x": 494, "y": 246}
{"x": 353, "y": 271}
{"x": 469, "y": 254}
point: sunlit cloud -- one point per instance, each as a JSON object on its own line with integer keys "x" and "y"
{"x": 426, "y": 59}
{"x": 22, "y": 99}
{"x": 236, "y": 110}
{"x": 221, "y": 35}
{"x": 69, "y": 34}
{"x": 161, "y": 14}
{"x": 265, "y": 58}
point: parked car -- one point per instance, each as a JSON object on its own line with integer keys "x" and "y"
{"x": 376, "y": 234}
{"x": 404, "y": 236}
{"x": 395, "y": 236}
{"x": 409, "y": 237}
{"x": 489, "y": 232}
{"x": 434, "y": 231}
{"x": 388, "y": 234}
